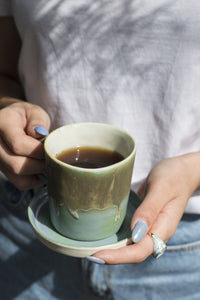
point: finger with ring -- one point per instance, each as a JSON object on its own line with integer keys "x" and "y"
{"x": 159, "y": 246}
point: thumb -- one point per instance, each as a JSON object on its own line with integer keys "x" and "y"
{"x": 38, "y": 122}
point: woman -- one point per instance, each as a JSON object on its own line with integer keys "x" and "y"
{"x": 134, "y": 65}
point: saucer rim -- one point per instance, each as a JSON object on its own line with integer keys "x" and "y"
{"x": 75, "y": 251}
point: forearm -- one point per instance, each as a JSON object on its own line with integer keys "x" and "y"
{"x": 10, "y": 91}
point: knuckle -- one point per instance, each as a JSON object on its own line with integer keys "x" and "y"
{"x": 42, "y": 116}
{"x": 148, "y": 215}
{"x": 38, "y": 109}
{"x": 15, "y": 167}
{"x": 152, "y": 212}
{"x": 141, "y": 256}
{"x": 16, "y": 147}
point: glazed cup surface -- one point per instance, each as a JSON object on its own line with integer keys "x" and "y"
{"x": 88, "y": 204}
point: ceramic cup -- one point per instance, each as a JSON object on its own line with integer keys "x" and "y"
{"x": 88, "y": 204}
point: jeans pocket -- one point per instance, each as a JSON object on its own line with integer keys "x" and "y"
{"x": 184, "y": 247}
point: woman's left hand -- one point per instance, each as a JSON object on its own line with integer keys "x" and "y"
{"x": 165, "y": 194}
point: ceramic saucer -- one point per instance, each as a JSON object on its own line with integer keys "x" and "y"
{"x": 38, "y": 213}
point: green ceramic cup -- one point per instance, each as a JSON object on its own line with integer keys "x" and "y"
{"x": 88, "y": 204}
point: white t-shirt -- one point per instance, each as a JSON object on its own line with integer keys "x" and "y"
{"x": 132, "y": 64}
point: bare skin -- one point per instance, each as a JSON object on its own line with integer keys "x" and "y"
{"x": 165, "y": 192}
{"x": 21, "y": 154}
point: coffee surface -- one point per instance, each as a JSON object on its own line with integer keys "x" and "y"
{"x": 90, "y": 157}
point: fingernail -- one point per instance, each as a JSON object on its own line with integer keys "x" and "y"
{"x": 139, "y": 231}
{"x": 41, "y": 130}
{"x": 96, "y": 260}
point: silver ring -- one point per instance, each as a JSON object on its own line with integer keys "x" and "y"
{"x": 159, "y": 246}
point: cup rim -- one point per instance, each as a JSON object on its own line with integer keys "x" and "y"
{"x": 91, "y": 169}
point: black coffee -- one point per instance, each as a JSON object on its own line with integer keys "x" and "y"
{"x": 90, "y": 157}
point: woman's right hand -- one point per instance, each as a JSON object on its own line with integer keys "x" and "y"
{"x": 21, "y": 153}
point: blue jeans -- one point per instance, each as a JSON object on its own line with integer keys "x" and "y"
{"x": 175, "y": 275}
{"x": 29, "y": 270}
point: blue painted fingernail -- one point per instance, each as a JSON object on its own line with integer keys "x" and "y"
{"x": 96, "y": 260}
{"x": 41, "y": 130}
{"x": 139, "y": 231}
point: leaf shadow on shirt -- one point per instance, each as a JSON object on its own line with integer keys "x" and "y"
{"x": 110, "y": 40}
{"x": 104, "y": 45}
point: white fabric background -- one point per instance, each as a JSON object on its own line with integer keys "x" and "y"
{"x": 134, "y": 64}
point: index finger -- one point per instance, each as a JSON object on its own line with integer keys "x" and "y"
{"x": 164, "y": 227}
{"x": 134, "y": 253}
